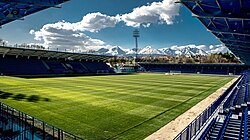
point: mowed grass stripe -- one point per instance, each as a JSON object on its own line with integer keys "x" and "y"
{"x": 102, "y": 88}
{"x": 103, "y": 107}
{"x": 102, "y": 78}
{"x": 128, "y": 86}
{"x": 136, "y": 81}
{"x": 169, "y": 115}
{"x": 105, "y": 89}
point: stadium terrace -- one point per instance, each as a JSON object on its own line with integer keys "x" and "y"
{"x": 46, "y": 95}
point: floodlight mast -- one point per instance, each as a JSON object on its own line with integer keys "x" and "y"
{"x": 136, "y": 34}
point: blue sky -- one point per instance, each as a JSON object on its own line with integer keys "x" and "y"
{"x": 159, "y": 33}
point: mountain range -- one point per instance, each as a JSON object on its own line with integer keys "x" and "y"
{"x": 188, "y": 50}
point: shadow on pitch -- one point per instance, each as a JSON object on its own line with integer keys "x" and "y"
{"x": 22, "y": 97}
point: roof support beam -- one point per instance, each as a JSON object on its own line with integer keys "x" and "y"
{"x": 220, "y": 16}
{"x": 219, "y": 35}
{"x": 58, "y": 55}
{"x": 180, "y": 1}
{"x": 209, "y": 6}
{"x": 226, "y": 21}
{"x": 199, "y": 5}
{"x": 20, "y": 53}
{"x": 240, "y": 4}
{"x": 19, "y": 17}
{"x": 17, "y": 9}
{"x": 235, "y": 40}
{"x": 228, "y": 24}
{"x": 48, "y": 54}
{"x": 41, "y": 55}
{"x": 66, "y": 55}
{"x": 217, "y": 1}
{"x": 49, "y": 3}
{"x": 5, "y": 52}
{"x": 75, "y": 56}
{"x": 242, "y": 22}
{"x": 212, "y": 22}
{"x": 224, "y": 32}
{"x": 238, "y": 47}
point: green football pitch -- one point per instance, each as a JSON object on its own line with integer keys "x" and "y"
{"x": 108, "y": 107}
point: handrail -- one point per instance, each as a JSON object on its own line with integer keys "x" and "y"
{"x": 247, "y": 90}
{"x": 4, "y": 108}
{"x": 187, "y": 132}
{"x": 230, "y": 98}
{"x": 223, "y": 127}
{"x": 245, "y": 124}
{"x": 204, "y": 134}
{"x": 242, "y": 122}
{"x": 234, "y": 91}
{"x": 239, "y": 91}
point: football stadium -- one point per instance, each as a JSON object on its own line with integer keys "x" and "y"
{"x": 47, "y": 94}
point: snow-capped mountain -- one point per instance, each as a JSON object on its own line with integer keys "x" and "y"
{"x": 169, "y": 51}
{"x": 217, "y": 48}
{"x": 102, "y": 51}
{"x": 148, "y": 50}
{"x": 116, "y": 50}
{"x": 188, "y": 50}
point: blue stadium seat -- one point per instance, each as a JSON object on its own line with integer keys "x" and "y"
{"x": 232, "y": 122}
{"x": 11, "y": 65}
{"x": 22, "y": 66}
{"x": 56, "y": 67}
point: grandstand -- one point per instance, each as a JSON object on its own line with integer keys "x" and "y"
{"x": 110, "y": 107}
{"x": 220, "y": 69}
{"x": 45, "y": 62}
{"x": 226, "y": 118}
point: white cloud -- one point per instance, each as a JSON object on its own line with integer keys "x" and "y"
{"x": 60, "y": 36}
{"x": 94, "y": 22}
{"x": 157, "y": 12}
{"x": 66, "y": 35}
{"x": 91, "y": 22}
{"x": 32, "y": 32}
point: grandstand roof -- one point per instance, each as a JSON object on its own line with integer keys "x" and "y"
{"x": 11, "y": 10}
{"x": 193, "y": 64}
{"x": 39, "y": 53}
{"x": 228, "y": 20}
